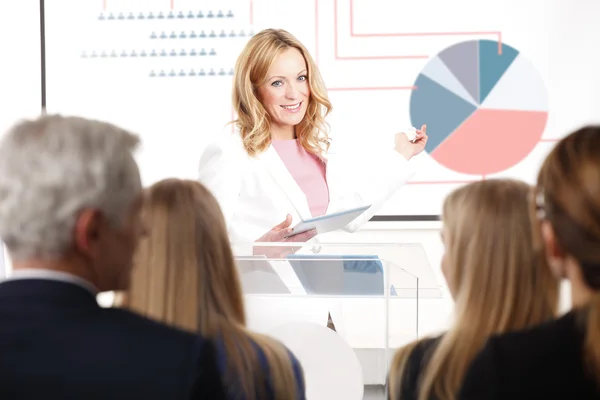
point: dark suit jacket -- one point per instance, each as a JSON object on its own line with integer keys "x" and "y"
{"x": 545, "y": 362}
{"x": 56, "y": 342}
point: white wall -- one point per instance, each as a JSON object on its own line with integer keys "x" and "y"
{"x": 20, "y": 71}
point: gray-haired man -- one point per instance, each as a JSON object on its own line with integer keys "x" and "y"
{"x": 70, "y": 197}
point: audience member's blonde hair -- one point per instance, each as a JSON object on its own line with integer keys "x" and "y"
{"x": 568, "y": 194}
{"x": 251, "y": 70}
{"x": 499, "y": 282}
{"x": 185, "y": 275}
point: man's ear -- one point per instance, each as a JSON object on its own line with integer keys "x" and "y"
{"x": 87, "y": 231}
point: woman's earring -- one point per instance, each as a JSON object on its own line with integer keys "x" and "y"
{"x": 540, "y": 204}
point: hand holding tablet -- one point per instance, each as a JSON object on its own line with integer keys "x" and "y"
{"x": 328, "y": 223}
{"x": 304, "y": 231}
{"x": 281, "y": 233}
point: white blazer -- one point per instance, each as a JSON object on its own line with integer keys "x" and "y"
{"x": 257, "y": 193}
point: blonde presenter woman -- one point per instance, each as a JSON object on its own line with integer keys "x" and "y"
{"x": 277, "y": 168}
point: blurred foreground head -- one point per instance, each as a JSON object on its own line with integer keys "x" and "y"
{"x": 567, "y": 207}
{"x": 500, "y": 282}
{"x": 185, "y": 275}
{"x": 70, "y": 198}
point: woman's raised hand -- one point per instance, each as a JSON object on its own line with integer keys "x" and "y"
{"x": 409, "y": 148}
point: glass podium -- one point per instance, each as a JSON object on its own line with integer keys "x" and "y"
{"x": 341, "y": 308}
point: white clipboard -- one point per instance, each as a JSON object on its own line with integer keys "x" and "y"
{"x": 328, "y": 223}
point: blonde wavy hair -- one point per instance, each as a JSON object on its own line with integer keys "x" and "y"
{"x": 500, "y": 282}
{"x": 253, "y": 121}
{"x": 185, "y": 275}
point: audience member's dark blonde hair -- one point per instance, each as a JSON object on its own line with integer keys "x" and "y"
{"x": 251, "y": 69}
{"x": 568, "y": 205}
{"x": 498, "y": 281}
{"x": 185, "y": 275}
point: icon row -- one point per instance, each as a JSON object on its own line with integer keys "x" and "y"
{"x": 202, "y": 72}
{"x": 170, "y": 15}
{"x": 202, "y": 34}
{"x": 153, "y": 53}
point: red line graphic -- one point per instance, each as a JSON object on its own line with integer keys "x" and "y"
{"x": 251, "y": 12}
{"x": 347, "y": 58}
{"x": 442, "y": 182}
{"x": 172, "y": 4}
{"x": 104, "y": 5}
{"x": 335, "y": 38}
{"x": 372, "y": 88}
{"x": 417, "y": 34}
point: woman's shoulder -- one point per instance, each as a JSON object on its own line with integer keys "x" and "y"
{"x": 529, "y": 361}
{"x": 274, "y": 347}
{"x": 420, "y": 354}
{"x": 541, "y": 344}
{"x": 265, "y": 343}
{"x": 541, "y": 336}
{"x": 415, "y": 356}
{"x": 226, "y": 148}
{"x": 225, "y": 143}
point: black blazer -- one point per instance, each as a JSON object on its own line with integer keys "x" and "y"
{"x": 545, "y": 362}
{"x": 56, "y": 342}
{"x": 415, "y": 365}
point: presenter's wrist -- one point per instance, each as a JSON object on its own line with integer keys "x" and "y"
{"x": 406, "y": 153}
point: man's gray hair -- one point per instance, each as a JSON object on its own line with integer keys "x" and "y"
{"x": 53, "y": 167}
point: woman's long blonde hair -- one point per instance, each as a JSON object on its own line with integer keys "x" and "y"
{"x": 568, "y": 197}
{"x": 251, "y": 69}
{"x": 185, "y": 275}
{"x": 500, "y": 282}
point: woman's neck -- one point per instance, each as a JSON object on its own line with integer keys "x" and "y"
{"x": 581, "y": 293}
{"x": 287, "y": 133}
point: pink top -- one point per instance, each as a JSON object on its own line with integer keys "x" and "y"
{"x": 308, "y": 171}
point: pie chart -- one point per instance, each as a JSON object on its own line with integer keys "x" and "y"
{"x": 485, "y": 106}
